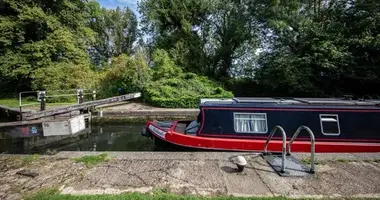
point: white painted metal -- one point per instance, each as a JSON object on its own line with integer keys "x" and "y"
{"x": 211, "y": 100}
{"x": 56, "y": 128}
{"x": 77, "y": 124}
{"x": 65, "y": 127}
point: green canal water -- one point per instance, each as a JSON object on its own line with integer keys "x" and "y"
{"x": 125, "y": 137}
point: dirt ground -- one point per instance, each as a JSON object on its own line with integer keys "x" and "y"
{"x": 200, "y": 173}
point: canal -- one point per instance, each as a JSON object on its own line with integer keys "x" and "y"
{"x": 125, "y": 137}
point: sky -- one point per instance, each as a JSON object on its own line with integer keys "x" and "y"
{"x": 132, "y": 4}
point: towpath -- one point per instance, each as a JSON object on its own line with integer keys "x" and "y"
{"x": 200, "y": 173}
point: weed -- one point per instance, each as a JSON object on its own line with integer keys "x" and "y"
{"x": 30, "y": 158}
{"x": 92, "y": 160}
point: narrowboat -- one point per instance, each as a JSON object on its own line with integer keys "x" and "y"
{"x": 244, "y": 124}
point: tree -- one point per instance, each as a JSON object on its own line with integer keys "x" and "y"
{"x": 36, "y": 34}
{"x": 327, "y": 51}
{"x": 205, "y": 37}
{"x": 116, "y": 32}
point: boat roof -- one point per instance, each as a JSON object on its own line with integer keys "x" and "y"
{"x": 272, "y": 101}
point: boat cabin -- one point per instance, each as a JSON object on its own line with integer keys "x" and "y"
{"x": 329, "y": 118}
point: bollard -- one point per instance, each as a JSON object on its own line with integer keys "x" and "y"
{"x": 93, "y": 99}
{"x": 43, "y": 100}
{"x": 80, "y": 99}
{"x": 94, "y": 95}
{"x": 80, "y": 95}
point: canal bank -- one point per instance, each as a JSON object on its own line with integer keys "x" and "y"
{"x": 115, "y": 113}
{"x": 132, "y": 112}
{"x": 197, "y": 173}
{"x": 127, "y": 117}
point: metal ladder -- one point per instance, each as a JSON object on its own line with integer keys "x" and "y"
{"x": 312, "y": 148}
{"x": 297, "y": 168}
{"x": 283, "y": 160}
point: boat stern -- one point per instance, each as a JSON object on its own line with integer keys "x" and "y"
{"x": 159, "y": 128}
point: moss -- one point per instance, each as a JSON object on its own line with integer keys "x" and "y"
{"x": 30, "y": 158}
{"x": 92, "y": 160}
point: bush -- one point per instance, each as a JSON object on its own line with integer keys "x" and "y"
{"x": 179, "y": 90}
{"x": 129, "y": 73}
{"x": 63, "y": 76}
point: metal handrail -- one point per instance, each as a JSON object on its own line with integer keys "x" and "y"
{"x": 312, "y": 148}
{"x": 24, "y": 92}
{"x": 66, "y": 95}
{"x": 283, "y": 144}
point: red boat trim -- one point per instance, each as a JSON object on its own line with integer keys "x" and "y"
{"x": 295, "y": 109}
{"x": 257, "y": 145}
{"x": 280, "y": 138}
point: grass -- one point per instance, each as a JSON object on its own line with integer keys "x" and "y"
{"x": 52, "y": 194}
{"x": 30, "y": 158}
{"x": 92, "y": 160}
{"x": 14, "y": 103}
{"x": 307, "y": 161}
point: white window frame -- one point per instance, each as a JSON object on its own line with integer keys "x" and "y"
{"x": 242, "y": 113}
{"x": 326, "y": 116}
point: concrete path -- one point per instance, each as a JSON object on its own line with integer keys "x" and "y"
{"x": 200, "y": 173}
{"x": 127, "y": 109}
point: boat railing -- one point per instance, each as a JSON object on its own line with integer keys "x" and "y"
{"x": 283, "y": 144}
{"x": 312, "y": 139}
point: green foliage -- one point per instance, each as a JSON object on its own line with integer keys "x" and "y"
{"x": 267, "y": 48}
{"x": 129, "y": 73}
{"x": 164, "y": 66}
{"x": 92, "y": 160}
{"x": 56, "y": 45}
{"x": 285, "y": 48}
{"x": 62, "y": 75}
{"x": 206, "y": 37}
{"x": 174, "y": 89}
{"x": 323, "y": 53}
{"x": 116, "y": 31}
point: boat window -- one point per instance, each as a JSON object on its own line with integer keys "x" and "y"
{"x": 330, "y": 124}
{"x": 250, "y": 123}
{"x": 192, "y": 128}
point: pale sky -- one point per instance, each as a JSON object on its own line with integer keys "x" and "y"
{"x": 132, "y": 4}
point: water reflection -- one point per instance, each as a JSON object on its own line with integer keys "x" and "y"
{"x": 97, "y": 138}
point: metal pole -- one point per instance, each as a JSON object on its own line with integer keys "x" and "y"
{"x": 20, "y": 105}
{"x": 43, "y": 100}
{"x": 80, "y": 99}
{"x": 283, "y": 144}
{"x": 80, "y": 96}
{"x": 94, "y": 95}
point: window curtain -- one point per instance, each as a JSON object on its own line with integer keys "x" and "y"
{"x": 250, "y": 123}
